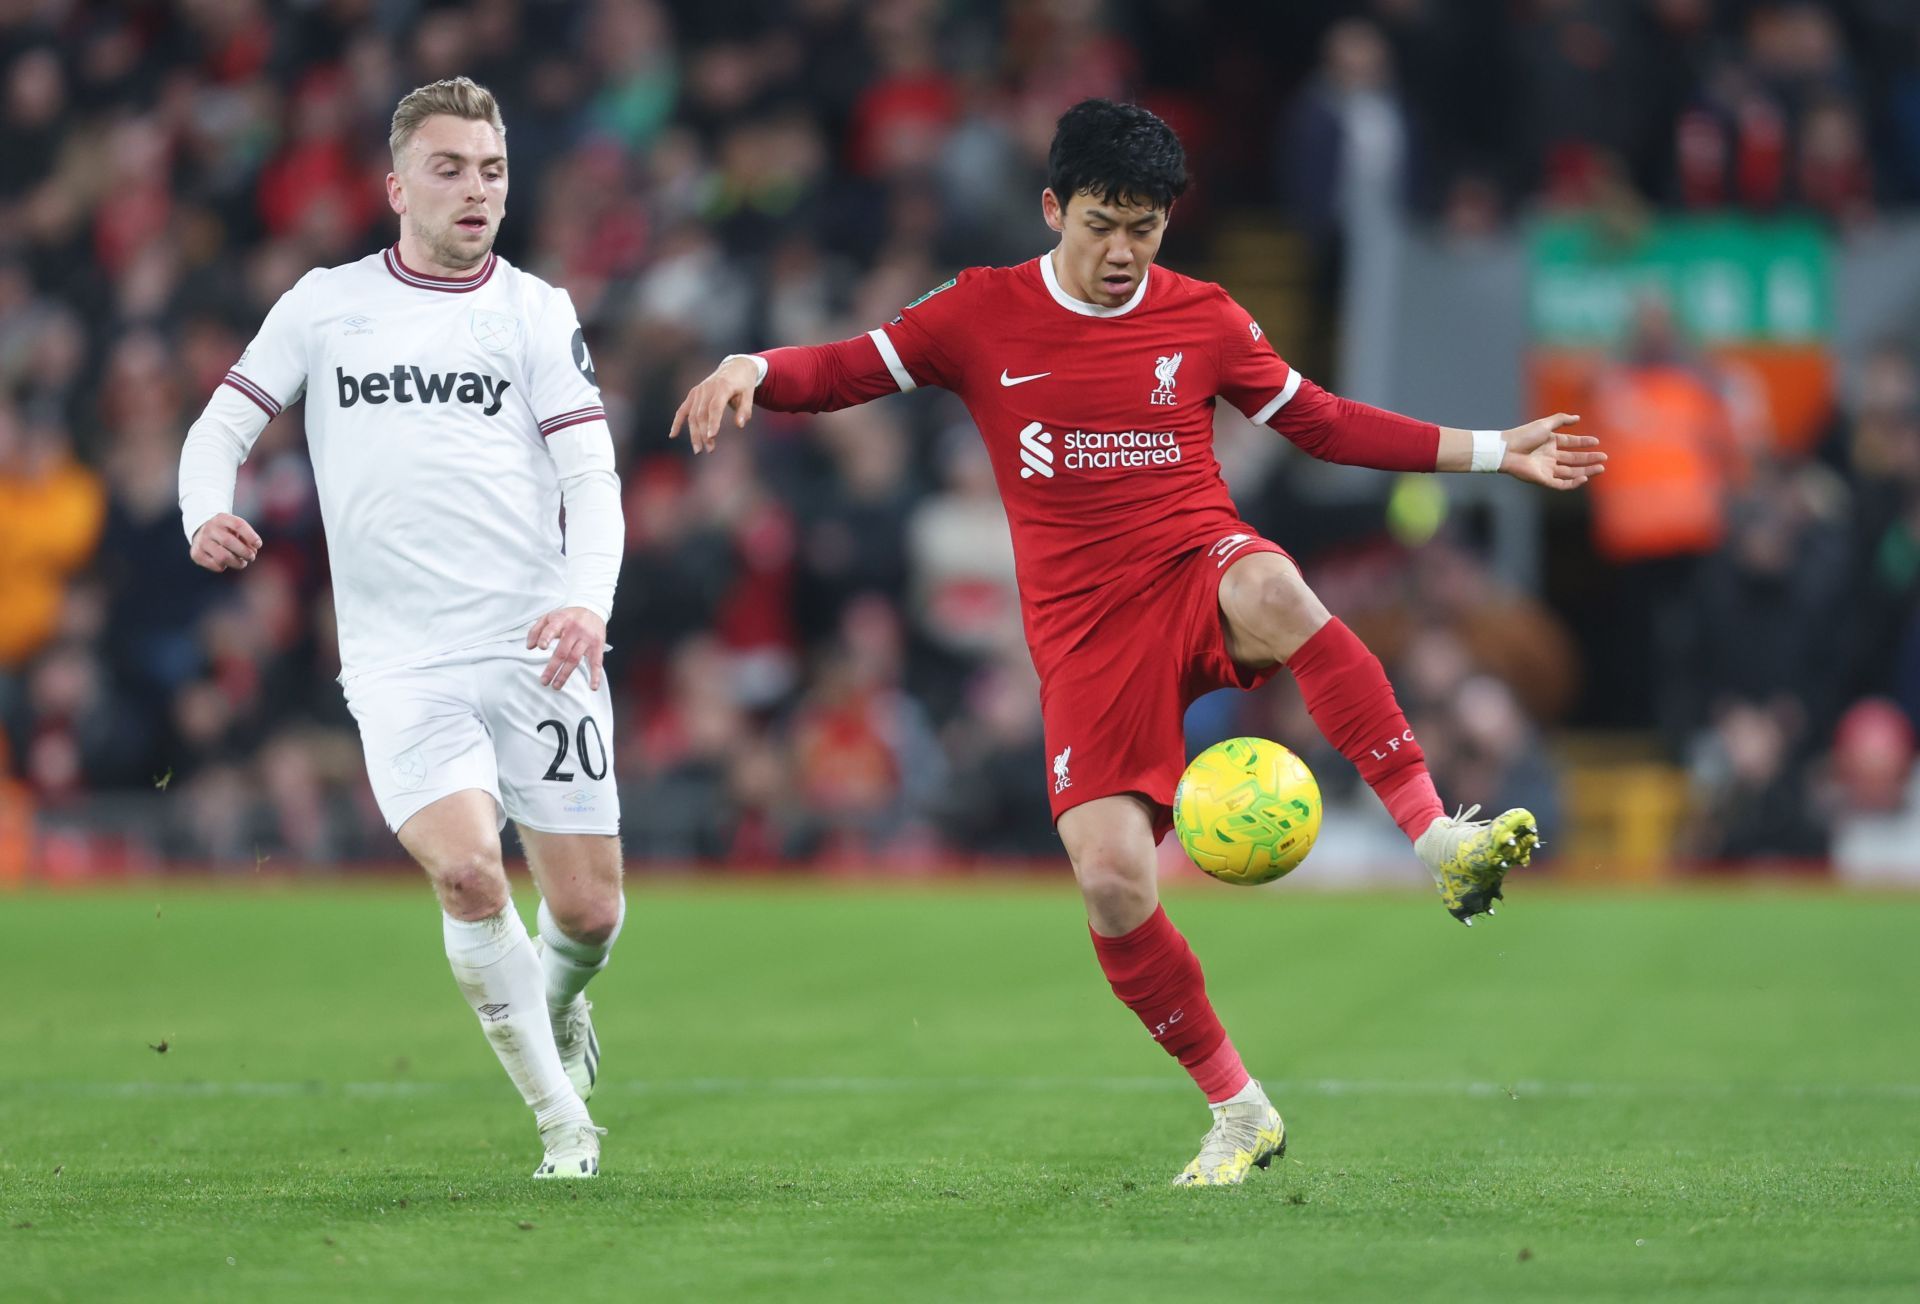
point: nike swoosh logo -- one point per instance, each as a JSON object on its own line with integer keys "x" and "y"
{"x": 1010, "y": 381}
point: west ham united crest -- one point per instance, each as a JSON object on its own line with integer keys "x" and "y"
{"x": 495, "y": 330}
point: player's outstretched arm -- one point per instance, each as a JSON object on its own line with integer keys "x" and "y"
{"x": 1541, "y": 452}
{"x": 813, "y": 378}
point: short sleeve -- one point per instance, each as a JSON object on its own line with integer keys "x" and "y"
{"x": 1253, "y": 377}
{"x": 927, "y": 342}
{"x": 562, "y": 388}
{"x": 272, "y": 372}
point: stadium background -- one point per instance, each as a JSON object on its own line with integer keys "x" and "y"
{"x": 1692, "y": 221}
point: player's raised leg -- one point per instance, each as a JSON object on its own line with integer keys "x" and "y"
{"x": 456, "y": 840}
{"x": 1152, "y": 969}
{"x": 581, "y": 910}
{"x": 1271, "y": 615}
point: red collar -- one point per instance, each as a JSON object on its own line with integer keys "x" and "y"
{"x": 445, "y": 284}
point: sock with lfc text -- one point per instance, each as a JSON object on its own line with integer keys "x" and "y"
{"x": 494, "y": 962}
{"x": 1349, "y": 698}
{"x": 1154, "y": 971}
{"x": 571, "y": 964}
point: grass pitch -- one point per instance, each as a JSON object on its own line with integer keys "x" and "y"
{"x": 927, "y": 1093}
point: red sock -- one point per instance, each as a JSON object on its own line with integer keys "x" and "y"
{"x": 1349, "y": 697}
{"x": 1155, "y": 972}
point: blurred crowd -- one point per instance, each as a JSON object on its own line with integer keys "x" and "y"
{"x": 816, "y": 643}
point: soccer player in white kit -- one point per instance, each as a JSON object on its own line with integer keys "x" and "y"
{"x": 452, "y": 410}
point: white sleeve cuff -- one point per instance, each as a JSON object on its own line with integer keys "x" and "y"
{"x": 1489, "y": 450}
{"x": 759, "y": 366}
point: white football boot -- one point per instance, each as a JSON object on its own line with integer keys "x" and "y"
{"x": 1246, "y": 1135}
{"x": 573, "y": 1151}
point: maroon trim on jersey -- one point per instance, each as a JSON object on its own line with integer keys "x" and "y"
{"x": 445, "y": 284}
{"x": 578, "y": 417}
{"x": 261, "y": 399}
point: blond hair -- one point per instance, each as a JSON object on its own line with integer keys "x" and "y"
{"x": 457, "y": 97}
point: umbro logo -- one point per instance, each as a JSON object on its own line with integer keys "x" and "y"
{"x": 358, "y": 324}
{"x": 493, "y": 1013}
{"x": 1010, "y": 381}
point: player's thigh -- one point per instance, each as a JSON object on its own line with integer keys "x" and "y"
{"x": 456, "y": 839}
{"x": 554, "y": 747}
{"x": 578, "y": 875}
{"x": 1266, "y": 609}
{"x": 424, "y": 738}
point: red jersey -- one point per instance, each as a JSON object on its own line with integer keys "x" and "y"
{"x": 1099, "y": 420}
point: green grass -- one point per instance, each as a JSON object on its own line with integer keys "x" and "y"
{"x": 927, "y": 1093}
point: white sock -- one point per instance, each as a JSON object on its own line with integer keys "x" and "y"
{"x": 571, "y": 964}
{"x": 494, "y": 962}
{"x": 1245, "y": 1096}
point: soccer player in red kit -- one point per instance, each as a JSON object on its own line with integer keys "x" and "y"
{"x": 1092, "y": 375}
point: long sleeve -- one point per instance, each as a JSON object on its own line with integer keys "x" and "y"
{"x": 596, "y": 526}
{"x": 826, "y": 377}
{"x": 1265, "y": 386}
{"x": 1336, "y": 429}
{"x": 270, "y": 375}
{"x": 916, "y": 348}
{"x": 210, "y": 459}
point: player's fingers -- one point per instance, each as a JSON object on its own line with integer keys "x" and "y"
{"x": 1578, "y": 441}
{"x": 679, "y": 416}
{"x": 566, "y": 657}
{"x": 1559, "y": 419}
{"x": 596, "y": 661}
{"x": 533, "y": 635}
{"x": 1581, "y": 459}
{"x": 248, "y": 535}
{"x": 743, "y": 408}
{"x": 232, "y": 549}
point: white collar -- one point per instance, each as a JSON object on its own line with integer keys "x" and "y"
{"x": 1081, "y": 306}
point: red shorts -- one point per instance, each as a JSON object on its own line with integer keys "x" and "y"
{"x": 1115, "y": 706}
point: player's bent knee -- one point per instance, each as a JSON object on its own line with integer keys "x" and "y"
{"x": 472, "y": 886}
{"x": 1119, "y": 894}
{"x": 591, "y": 921}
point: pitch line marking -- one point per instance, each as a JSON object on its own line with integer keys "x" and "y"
{"x": 1280, "y": 1088}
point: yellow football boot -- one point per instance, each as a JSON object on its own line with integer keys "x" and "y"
{"x": 1470, "y": 858}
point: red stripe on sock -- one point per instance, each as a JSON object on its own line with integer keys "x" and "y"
{"x": 1154, "y": 971}
{"x": 1349, "y": 698}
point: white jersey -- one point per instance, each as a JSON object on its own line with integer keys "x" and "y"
{"x": 443, "y": 417}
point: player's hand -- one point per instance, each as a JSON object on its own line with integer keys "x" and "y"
{"x": 225, "y": 542}
{"x": 575, "y": 635}
{"x": 730, "y": 387}
{"x": 1542, "y": 453}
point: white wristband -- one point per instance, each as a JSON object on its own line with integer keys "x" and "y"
{"x": 759, "y": 366}
{"x": 1489, "y": 450}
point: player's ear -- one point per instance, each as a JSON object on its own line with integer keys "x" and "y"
{"x": 396, "y": 196}
{"x": 1052, "y": 209}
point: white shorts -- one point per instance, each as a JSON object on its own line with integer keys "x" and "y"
{"x": 481, "y": 718}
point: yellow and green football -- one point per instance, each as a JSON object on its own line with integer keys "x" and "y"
{"x": 1247, "y": 811}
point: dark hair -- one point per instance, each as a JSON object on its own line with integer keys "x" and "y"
{"x": 1118, "y": 153}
